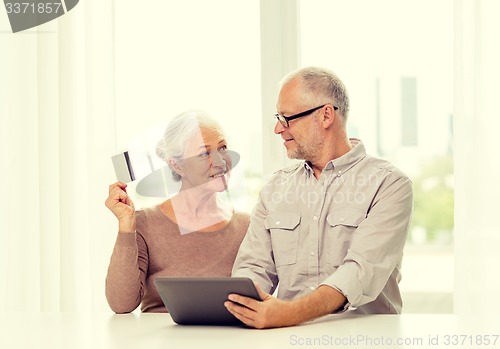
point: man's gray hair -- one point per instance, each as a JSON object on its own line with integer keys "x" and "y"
{"x": 320, "y": 86}
{"x": 179, "y": 131}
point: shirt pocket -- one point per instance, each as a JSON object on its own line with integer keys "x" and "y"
{"x": 284, "y": 229}
{"x": 342, "y": 224}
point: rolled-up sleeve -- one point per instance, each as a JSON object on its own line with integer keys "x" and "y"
{"x": 377, "y": 244}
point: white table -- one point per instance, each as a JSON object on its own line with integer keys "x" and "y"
{"x": 106, "y": 330}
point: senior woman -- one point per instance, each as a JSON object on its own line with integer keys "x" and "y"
{"x": 191, "y": 234}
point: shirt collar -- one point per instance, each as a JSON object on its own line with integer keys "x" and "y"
{"x": 308, "y": 168}
{"x": 345, "y": 162}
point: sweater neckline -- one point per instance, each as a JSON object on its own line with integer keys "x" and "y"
{"x": 160, "y": 213}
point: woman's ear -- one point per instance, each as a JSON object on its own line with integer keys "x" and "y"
{"x": 175, "y": 166}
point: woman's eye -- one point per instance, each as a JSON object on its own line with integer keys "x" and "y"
{"x": 223, "y": 148}
{"x": 204, "y": 154}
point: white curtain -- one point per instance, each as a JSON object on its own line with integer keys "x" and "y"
{"x": 477, "y": 168}
{"x": 56, "y": 135}
{"x": 67, "y": 104}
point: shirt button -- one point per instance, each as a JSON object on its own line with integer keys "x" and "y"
{"x": 312, "y": 253}
{"x": 311, "y": 288}
{"x": 341, "y": 219}
{"x": 315, "y": 218}
{"x": 278, "y": 222}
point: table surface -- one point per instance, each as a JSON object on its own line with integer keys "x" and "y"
{"x": 107, "y": 330}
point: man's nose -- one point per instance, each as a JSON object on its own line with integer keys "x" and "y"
{"x": 278, "y": 128}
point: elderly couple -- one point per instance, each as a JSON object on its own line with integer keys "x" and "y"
{"x": 340, "y": 250}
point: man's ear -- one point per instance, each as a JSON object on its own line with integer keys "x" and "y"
{"x": 176, "y": 166}
{"x": 329, "y": 116}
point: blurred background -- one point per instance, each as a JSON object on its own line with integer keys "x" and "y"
{"x": 107, "y": 77}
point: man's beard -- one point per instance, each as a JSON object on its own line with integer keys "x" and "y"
{"x": 309, "y": 150}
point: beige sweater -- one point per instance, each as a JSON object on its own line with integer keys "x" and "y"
{"x": 158, "y": 249}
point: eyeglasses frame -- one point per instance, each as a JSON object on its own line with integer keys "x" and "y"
{"x": 282, "y": 119}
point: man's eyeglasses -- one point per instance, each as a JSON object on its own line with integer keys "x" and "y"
{"x": 285, "y": 119}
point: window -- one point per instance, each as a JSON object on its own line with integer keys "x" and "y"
{"x": 396, "y": 59}
{"x": 191, "y": 55}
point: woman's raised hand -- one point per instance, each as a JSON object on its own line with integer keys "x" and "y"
{"x": 122, "y": 207}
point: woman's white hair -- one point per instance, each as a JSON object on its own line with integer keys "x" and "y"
{"x": 179, "y": 131}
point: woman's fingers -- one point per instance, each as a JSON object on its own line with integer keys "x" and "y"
{"x": 120, "y": 185}
{"x": 119, "y": 201}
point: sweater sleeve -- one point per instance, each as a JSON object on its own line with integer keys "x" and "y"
{"x": 126, "y": 278}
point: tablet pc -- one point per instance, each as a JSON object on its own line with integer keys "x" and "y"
{"x": 200, "y": 301}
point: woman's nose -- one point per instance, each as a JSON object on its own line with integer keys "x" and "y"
{"x": 216, "y": 159}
